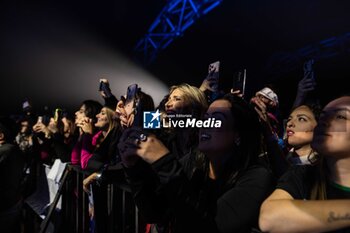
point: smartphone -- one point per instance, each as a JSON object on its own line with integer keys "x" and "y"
{"x": 57, "y": 115}
{"x": 239, "y": 80}
{"x": 104, "y": 87}
{"x": 25, "y": 105}
{"x": 214, "y": 67}
{"x": 213, "y": 70}
{"x": 40, "y": 119}
{"x": 213, "y": 74}
{"x": 131, "y": 97}
{"x": 131, "y": 93}
{"x": 308, "y": 68}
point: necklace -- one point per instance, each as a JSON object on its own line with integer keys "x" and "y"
{"x": 341, "y": 187}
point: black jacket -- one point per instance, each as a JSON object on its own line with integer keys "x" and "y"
{"x": 11, "y": 173}
{"x": 181, "y": 194}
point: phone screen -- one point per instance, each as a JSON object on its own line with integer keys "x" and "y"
{"x": 131, "y": 93}
{"x": 214, "y": 67}
{"x": 132, "y": 98}
{"x": 25, "y": 104}
{"x": 40, "y": 119}
{"x": 213, "y": 75}
{"x": 58, "y": 114}
{"x": 239, "y": 81}
{"x": 104, "y": 87}
{"x": 308, "y": 68}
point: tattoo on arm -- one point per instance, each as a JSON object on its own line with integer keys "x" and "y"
{"x": 333, "y": 217}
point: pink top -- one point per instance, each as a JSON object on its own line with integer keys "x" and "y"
{"x": 83, "y": 149}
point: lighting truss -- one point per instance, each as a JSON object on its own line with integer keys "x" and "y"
{"x": 284, "y": 62}
{"x": 174, "y": 19}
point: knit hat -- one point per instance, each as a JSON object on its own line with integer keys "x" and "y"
{"x": 269, "y": 94}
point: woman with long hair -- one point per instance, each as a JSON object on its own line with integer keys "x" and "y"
{"x": 299, "y": 133}
{"x": 217, "y": 188}
{"x": 184, "y": 101}
{"x": 85, "y": 119}
{"x": 315, "y": 198}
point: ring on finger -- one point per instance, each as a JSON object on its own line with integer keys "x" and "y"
{"x": 143, "y": 137}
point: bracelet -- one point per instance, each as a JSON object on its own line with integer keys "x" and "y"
{"x": 98, "y": 176}
{"x": 99, "y": 179}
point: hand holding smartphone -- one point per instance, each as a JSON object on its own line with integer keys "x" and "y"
{"x": 40, "y": 119}
{"x": 57, "y": 115}
{"x": 104, "y": 88}
{"x": 132, "y": 98}
{"x": 239, "y": 81}
{"x": 213, "y": 76}
{"x": 307, "y": 83}
{"x": 214, "y": 67}
{"x": 308, "y": 69}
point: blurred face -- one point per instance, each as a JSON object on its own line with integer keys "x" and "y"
{"x": 267, "y": 102}
{"x": 332, "y": 135}
{"x": 218, "y": 141}
{"x": 175, "y": 103}
{"x": 68, "y": 127}
{"x": 300, "y": 127}
{"x": 102, "y": 120}
{"x": 24, "y": 127}
{"x": 80, "y": 115}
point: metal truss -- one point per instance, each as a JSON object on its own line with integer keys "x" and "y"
{"x": 174, "y": 19}
{"x": 284, "y": 62}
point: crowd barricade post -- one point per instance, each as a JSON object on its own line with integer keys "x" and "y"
{"x": 123, "y": 216}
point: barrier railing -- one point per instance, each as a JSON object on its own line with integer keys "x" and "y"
{"x": 119, "y": 211}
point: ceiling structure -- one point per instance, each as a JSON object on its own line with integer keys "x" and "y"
{"x": 271, "y": 39}
{"x": 171, "y": 23}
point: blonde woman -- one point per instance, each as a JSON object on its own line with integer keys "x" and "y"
{"x": 184, "y": 101}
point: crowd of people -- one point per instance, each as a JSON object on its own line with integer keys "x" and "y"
{"x": 257, "y": 171}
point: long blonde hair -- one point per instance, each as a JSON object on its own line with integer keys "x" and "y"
{"x": 112, "y": 123}
{"x": 193, "y": 97}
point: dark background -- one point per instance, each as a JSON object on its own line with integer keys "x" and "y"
{"x": 50, "y": 50}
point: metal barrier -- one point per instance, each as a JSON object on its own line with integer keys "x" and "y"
{"x": 122, "y": 214}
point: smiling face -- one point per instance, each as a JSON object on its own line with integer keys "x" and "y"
{"x": 300, "y": 126}
{"x": 102, "y": 120}
{"x": 176, "y": 102}
{"x": 218, "y": 141}
{"x": 332, "y": 135}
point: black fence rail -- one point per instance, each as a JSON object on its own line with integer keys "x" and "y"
{"x": 113, "y": 209}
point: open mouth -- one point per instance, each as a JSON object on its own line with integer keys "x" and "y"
{"x": 290, "y": 132}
